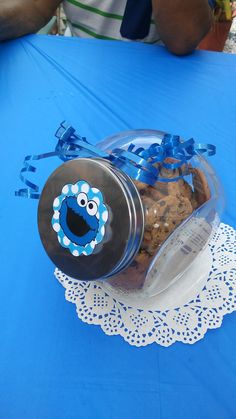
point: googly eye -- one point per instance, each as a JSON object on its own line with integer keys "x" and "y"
{"x": 92, "y": 208}
{"x": 82, "y": 199}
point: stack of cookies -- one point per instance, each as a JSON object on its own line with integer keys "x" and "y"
{"x": 166, "y": 205}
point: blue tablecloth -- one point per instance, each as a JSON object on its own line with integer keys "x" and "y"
{"x": 53, "y": 366}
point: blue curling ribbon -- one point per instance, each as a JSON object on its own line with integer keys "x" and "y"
{"x": 138, "y": 164}
{"x": 32, "y": 191}
{"x": 136, "y": 167}
{"x": 70, "y": 145}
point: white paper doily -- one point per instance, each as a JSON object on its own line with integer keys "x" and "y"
{"x": 173, "y": 315}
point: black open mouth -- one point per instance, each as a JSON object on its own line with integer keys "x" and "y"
{"x": 76, "y": 223}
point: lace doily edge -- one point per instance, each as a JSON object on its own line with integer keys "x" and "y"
{"x": 164, "y": 339}
{"x": 153, "y": 340}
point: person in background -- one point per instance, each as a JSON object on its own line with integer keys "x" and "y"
{"x": 179, "y": 24}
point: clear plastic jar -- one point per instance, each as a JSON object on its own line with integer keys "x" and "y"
{"x": 98, "y": 223}
{"x": 180, "y": 217}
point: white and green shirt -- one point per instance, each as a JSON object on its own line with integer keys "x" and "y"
{"x": 101, "y": 19}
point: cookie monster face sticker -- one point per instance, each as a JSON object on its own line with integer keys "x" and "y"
{"x": 79, "y": 218}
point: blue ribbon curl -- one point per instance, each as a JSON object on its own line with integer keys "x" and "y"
{"x": 140, "y": 164}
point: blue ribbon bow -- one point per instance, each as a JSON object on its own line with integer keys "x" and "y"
{"x": 141, "y": 164}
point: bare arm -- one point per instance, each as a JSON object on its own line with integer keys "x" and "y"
{"x": 20, "y": 17}
{"x": 182, "y": 23}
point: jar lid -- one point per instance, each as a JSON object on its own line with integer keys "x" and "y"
{"x": 90, "y": 219}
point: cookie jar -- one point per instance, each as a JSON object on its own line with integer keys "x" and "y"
{"x": 136, "y": 217}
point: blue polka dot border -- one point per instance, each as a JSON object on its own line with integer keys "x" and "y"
{"x": 102, "y": 216}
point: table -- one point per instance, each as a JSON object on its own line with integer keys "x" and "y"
{"x": 53, "y": 366}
